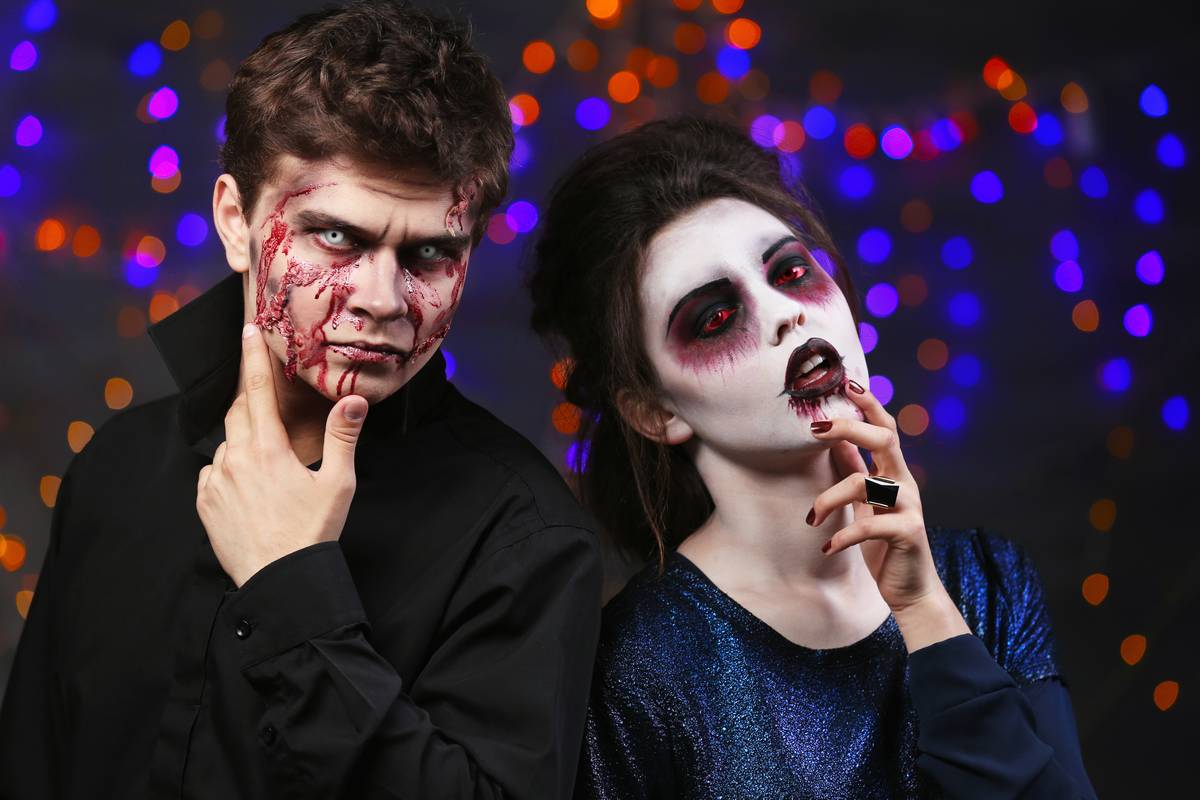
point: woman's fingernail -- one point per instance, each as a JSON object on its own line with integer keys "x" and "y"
{"x": 821, "y": 425}
{"x": 812, "y": 514}
{"x": 825, "y": 547}
{"x": 855, "y": 387}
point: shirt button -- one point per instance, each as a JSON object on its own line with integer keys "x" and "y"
{"x": 243, "y": 629}
{"x": 268, "y": 735}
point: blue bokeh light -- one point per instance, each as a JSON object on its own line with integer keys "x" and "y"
{"x": 1138, "y": 320}
{"x": 138, "y": 276}
{"x": 957, "y": 253}
{"x": 856, "y": 182}
{"x": 592, "y": 113}
{"x": 882, "y": 299}
{"x": 1115, "y": 375}
{"x": 1153, "y": 101}
{"x": 946, "y": 134}
{"x": 825, "y": 260}
{"x": 949, "y": 413}
{"x": 819, "y": 122}
{"x": 29, "y": 131}
{"x": 1150, "y": 268}
{"x": 10, "y": 180}
{"x": 219, "y": 130}
{"x": 145, "y": 59}
{"x": 1049, "y": 130}
{"x": 868, "y": 336}
{"x": 1170, "y": 151}
{"x": 964, "y": 309}
{"x": 451, "y": 362}
{"x": 1068, "y": 276}
{"x": 23, "y": 57}
{"x": 733, "y": 63}
{"x": 522, "y": 216}
{"x": 986, "y": 187}
{"x": 895, "y": 142}
{"x": 192, "y": 230}
{"x": 1064, "y": 246}
{"x": 965, "y": 370}
{"x": 40, "y": 15}
{"x": 1175, "y": 412}
{"x": 882, "y": 388}
{"x": 522, "y": 153}
{"x": 874, "y": 246}
{"x": 1148, "y": 206}
{"x": 762, "y": 130}
{"x": 577, "y": 456}
{"x": 1093, "y": 183}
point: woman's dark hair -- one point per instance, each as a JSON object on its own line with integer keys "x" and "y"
{"x": 601, "y": 216}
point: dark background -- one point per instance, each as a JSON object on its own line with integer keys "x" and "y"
{"x": 1036, "y": 449}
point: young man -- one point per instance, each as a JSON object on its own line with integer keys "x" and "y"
{"x": 252, "y": 592}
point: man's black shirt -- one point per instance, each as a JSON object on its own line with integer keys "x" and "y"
{"x": 443, "y": 648}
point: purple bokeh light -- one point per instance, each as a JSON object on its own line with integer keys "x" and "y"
{"x": 1068, "y": 276}
{"x": 163, "y": 103}
{"x": 986, "y": 187}
{"x": 882, "y": 388}
{"x": 868, "y": 336}
{"x": 1150, "y": 268}
{"x": 1138, "y": 320}
{"x": 882, "y": 299}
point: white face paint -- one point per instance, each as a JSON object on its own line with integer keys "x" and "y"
{"x": 729, "y": 295}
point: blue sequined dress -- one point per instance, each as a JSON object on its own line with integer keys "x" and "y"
{"x": 695, "y": 697}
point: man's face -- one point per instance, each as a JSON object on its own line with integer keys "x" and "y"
{"x": 355, "y": 273}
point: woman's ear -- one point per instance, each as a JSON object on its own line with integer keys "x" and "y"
{"x": 231, "y": 223}
{"x": 651, "y": 420}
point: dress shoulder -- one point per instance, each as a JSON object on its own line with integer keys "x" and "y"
{"x": 996, "y": 586}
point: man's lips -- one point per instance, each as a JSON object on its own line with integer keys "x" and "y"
{"x": 367, "y": 351}
{"x": 814, "y": 369}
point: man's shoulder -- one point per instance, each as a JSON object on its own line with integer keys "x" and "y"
{"x": 500, "y": 459}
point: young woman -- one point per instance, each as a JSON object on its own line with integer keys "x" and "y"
{"x": 800, "y": 632}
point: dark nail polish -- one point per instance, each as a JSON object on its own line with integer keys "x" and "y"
{"x": 812, "y": 514}
{"x": 825, "y": 547}
{"x": 855, "y": 387}
{"x": 821, "y": 425}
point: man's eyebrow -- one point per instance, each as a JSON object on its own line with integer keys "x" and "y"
{"x": 770, "y": 251}
{"x": 312, "y": 218}
{"x": 719, "y": 283}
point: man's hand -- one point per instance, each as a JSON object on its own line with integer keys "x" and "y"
{"x": 257, "y": 501}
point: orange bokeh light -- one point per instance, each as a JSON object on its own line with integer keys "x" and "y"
{"x": 603, "y": 9}
{"x": 932, "y": 354}
{"x": 1057, "y": 173}
{"x": 166, "y": 185}
{"x": 118, "y": 393}
{"x": 538, "y": 57}
{"x": 712, "y": 88}
{"x": 131, "y": 322}
{"x": 162, "y": 305}
{"x": 1012, "y": 86}
{"x": 913, "y": 289}
{"x": 175, "y": 36}
{"x": 913, "y": 419}
{"x": 638, "y": 60}
{"x": 150, "y": 251}
{"x": 689, "y": 38}
{"x": 825, "y": 87}
{"x": 728, "y": 6}
{"x": 1085, "y": 316}
{"x": 1120, "y": 442}
{"x": 566, "y": 417}
{"x": 209, "y": 24}
{"x": 48, "y": 489}
{"x": 662, "y": 72}
{"x": 560, "y": 372}
{"x": 1165, "y": 694}
{"x": 51, "y": 235}
{"x": 1073, "y": 98}
{"x": 624, "y": 87}
{"x": 583, "y": 55}
{"x": 916, "y": 216}
{"x": 1095, "y": 588}
{"x": 525, "y": 109}
{"x": 1022, "y": 118}
{"x": 1133, "y": 648}
{"x": 1103, "y": 515}
{"x": 79, "y": 433}
{"x": 86, "y": 241}
{"x": 743, "y": 33}
{"x": 13, "y": 557}
{"x": 24, "y": 599}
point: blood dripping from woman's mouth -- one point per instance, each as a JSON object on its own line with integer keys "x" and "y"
{"x": 306, "y": 346}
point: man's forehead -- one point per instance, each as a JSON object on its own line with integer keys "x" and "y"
{"x": 341, "y": 176}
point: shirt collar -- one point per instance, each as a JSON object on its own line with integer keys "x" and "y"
{"x": 201, "y": 344}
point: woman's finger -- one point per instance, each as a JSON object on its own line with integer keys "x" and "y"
{"x": 872, "y": 409}
{"x": 894, "y": 529}
{"x": 884, "y": 443}
{"x": 851, "y": 489}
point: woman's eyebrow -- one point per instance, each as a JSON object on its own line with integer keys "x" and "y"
{"x": 770, "y": 251}
{"x": 719, "y": 283}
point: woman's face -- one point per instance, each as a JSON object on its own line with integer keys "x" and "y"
{"x": 750, "y": 338}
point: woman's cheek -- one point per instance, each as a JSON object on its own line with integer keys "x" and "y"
{"x": 715, "y": 354}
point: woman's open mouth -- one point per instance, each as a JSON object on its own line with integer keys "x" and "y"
{"x": 815, "y": 369}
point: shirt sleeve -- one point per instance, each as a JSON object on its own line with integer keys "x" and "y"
{"x": 497, "y": 711}
{"x": 991, "y": 731}
{"x": 30, "y": 718}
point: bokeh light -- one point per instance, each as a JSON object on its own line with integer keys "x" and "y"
{"x": 40, "y": 15}
{"x": 191, "y": 230}
{"x": 566, "y": 418}
{"x": 1165, "y": 694}
{"x": 1119, "y": 442}
{"x": 1175, "y": 412}
{"x": 522, "y": 216}
{"x": 175, "y": 36}
{"x": 1057, "y": 173}
{"x": 1153, "y": 101}
{"x": 1093, "y": 183}
{"x": 712, "y": 88}
{"x": 689, "y": 38}
{"x": 28, "y": 132}
{"x": 1150, "y": 268}
{"x": 1086, "y": 316}
{"x": 895, "y": 142}
{"x": 743, "y": 33}
{"x": 86, "y": 241}
{"x": 592, "y": 113}
{"x": 48, "y": 488}
{"x": 913, "y": 289}
{"x": 913, "y": 419}
{"x": 957, "y": 253}
{"x": 932, "y": 354}
{"x": 819, "y": 122}
{"x": 732, "y": 62}
{"x": 1095, "y": 588}
{"x": 1149, "y": 207}
{"x": 145, "y": 59}
{"x": 79, "y": 433}
{"x": 603, "y": 9}
{"x": 499, "y": 231}
{"x": 859, "y": 141}
{"x": 916, "y": 216}
{"x": 1133, "y": 648}
{"x": 163, "y": 103}
{"x": 10, "y": 180}
{"x": 524, "y": 109}
{"x": 51, "y": 234}
{"x": 1073, "y": 98}
{"x": 1138, "y": 320}
{"x": 868, "y": 336}
{"x": 118, "y": 393}
{"x": 762, "y": 130}
{"x": 986, "y": 187}
{"x": 788, "y": 136}
{"x": 624, "y": 87}
{"x": 662, "y": 72}
{"x": 1064, "y": 245}
{"x": 538, "y": 57}
{"x": 882, "y": 388}
{"x": 164, "y": 162}
{"x": 1048, "y": 132}
{"x": 1170, "y": 151}
{"x": 882, "y": 299}
{"x": 856, "y": 182}
{"x": 965, "y": 370}
{"x": 583, "y": 55}
{"x": 23, "y": 57}
{"x": 1102, "y": 514}
{"x": 1022, "y": 118}
{"x": 1115, "y": 375}
{"x": 964, "y": 309}
{"x": 1068, "y": 276}
{"x": 874, "y": 245}
{"x": 949, "y": 413}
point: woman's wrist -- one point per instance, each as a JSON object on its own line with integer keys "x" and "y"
{"x": 933, "y": 618}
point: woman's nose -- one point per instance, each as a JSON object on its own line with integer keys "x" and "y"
{"x": 786, "y": 314}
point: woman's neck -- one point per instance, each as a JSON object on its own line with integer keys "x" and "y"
{"x": 757, "y": 535}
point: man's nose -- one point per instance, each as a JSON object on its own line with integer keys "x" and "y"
{"x": 380, "y": 288}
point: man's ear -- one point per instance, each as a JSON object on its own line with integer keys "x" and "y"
{"x": 651, "y": 420}
{"x": 231, "y": 224}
